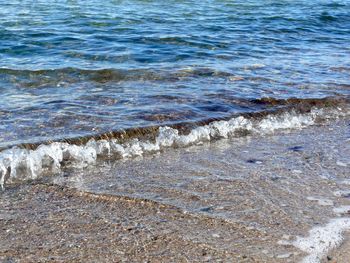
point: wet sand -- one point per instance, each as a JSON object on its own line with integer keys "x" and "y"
{"x": 54, "y": 223}
{"x": 239, "y": 200}
{"x": 342, "y": 253}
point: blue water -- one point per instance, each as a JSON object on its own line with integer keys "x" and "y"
{"x": 76, "y": 68}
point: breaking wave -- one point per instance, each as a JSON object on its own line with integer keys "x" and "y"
{"x": 18, "y": 163}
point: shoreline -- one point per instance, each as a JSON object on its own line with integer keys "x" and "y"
{"x": 22, "y": 164}
{"x": 241, "y": 199}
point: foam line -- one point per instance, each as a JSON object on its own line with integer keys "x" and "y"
{"x": 322, "y": 239}
{"x": 21, "y": 164}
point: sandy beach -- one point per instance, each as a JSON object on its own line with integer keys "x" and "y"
{"x": 251, "y": 199}
{"x": 182, "y": 131}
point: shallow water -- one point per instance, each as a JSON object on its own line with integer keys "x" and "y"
{"x": 70, "y": 69}
{"x": 275, "y": 198}
{"x": 291, "y": 185}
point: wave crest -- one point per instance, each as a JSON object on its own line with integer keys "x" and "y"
{"x": 22, "y": 164}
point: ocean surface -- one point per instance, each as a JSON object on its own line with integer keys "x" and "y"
{"x": 88, "y": 75}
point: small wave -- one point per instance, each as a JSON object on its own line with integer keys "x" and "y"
{"x": 74, "y": 75}
{"x": 21, "y": 164}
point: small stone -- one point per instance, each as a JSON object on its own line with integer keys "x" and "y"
{"x": 329, "y": 258}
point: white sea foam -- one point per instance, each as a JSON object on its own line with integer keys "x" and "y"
{"x": 322, "y": 239}
{"x": 16, "y": 163}
{"x": 342, "y": 210}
